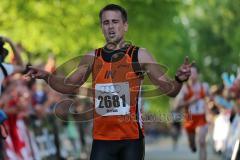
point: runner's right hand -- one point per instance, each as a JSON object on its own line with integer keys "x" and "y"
{"x": 35, "y": 73}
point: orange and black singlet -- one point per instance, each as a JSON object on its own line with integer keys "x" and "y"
{"x": 117, "y": 95}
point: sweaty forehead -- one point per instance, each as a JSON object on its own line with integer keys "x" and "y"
{"x": 110, "y": 15}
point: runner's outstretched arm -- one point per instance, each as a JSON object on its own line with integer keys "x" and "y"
{"x": 66, "y": 84}
{"x": 159, "y": 78}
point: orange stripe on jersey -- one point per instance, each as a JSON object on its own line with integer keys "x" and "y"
{"x": 116, "y": 111}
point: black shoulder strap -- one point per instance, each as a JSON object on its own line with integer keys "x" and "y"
{"x": 135, "y": 64}
{"x": 4, "y": 70}
{"x": 98, "y": 52}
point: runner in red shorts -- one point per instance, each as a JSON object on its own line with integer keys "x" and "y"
{"x": 192, "y": 98}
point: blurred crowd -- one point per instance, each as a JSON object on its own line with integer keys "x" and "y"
{"x": 34, "y": 130}
{"x": 225, "y": 111}
{"x": 222, "y": 115}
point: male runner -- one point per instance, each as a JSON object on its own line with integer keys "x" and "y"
{"x": 117, "y": 74}
{"x": 192, "y": 99}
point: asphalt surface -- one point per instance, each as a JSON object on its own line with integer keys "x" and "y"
{"x": 162, "y": 149}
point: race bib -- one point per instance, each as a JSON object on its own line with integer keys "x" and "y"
{"x": 112, "y": 99}
{"x": 198, "y": 107}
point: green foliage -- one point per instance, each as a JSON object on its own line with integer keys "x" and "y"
{"x": 213, "y": 27}
{"x": 66, "y": 28}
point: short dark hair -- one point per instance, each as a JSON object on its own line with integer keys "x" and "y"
{"x": 114, "y": 7}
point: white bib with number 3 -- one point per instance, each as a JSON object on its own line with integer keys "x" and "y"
{"x": 198, "y": 107}
{"x": 112, "y": 99}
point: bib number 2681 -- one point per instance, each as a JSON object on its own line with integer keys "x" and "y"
{"x": 112, "y": 99}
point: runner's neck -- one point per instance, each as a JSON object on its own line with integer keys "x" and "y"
{"x": 115, "y": 46}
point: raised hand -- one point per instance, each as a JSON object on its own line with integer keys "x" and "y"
{"x": 184, "y": 72}
{"x": 36, "y": 73}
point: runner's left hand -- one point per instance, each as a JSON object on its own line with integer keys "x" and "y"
{"x": 184, "y": 72}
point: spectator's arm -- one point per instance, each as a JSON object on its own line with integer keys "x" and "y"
{"x": 18, "y": 69}
{"x": 15, "y": 50}
{"x": 10, "y": 68}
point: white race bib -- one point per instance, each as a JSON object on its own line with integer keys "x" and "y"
{"x": 198, "y": 107}
{"x": 112, "y": 99}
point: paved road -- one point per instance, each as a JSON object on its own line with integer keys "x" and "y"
{"x": 162, "y": 149}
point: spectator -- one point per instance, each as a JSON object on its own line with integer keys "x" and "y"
{"x": 7, "y": 69}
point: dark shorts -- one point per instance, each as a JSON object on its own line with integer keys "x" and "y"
{"x": 1, "y": 149}
{"x": 118, "y": 150}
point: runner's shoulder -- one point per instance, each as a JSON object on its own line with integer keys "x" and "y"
{"x": 88, "y": 58}
{"x": 91, "y": 53}
{"x": 143, "y": 50}
{"x": 144, "y": 56}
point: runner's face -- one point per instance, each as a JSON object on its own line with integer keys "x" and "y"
{"x": 113, "y": 26}
{"x": 194, "y": 74}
